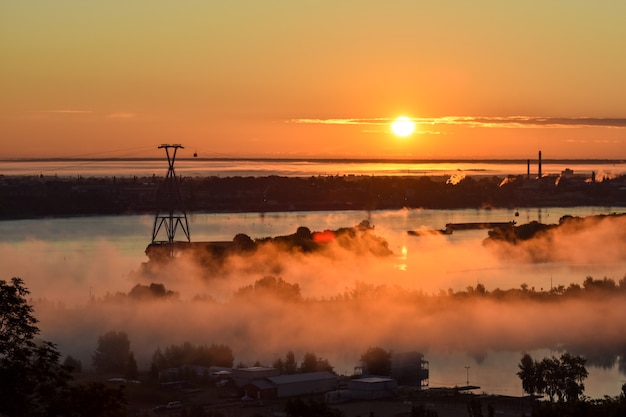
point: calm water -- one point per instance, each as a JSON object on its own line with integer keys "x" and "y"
{"x": 95, "y": 255}
{"x": 234, "y": 167}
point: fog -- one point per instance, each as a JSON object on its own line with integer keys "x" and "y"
{"x": 350, "y": 299}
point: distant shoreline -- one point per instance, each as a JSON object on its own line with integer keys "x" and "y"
{"x": 304, "y": 167}
{"x": 334, "y": 160}
{"x": 35, "y": 196}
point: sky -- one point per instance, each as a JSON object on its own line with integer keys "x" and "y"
{"x": 482, "y": 79}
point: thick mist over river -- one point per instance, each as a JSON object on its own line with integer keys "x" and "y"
{"x": 75, "y": 266}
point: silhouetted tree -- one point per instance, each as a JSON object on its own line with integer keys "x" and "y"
{"x": 243, "y": 242}
{"x": 574, "y": 374}
{"x": 291, "y": 366}
{"x": 131, "y": 367}
{"x": 97, "y": 400}
{"x": 309, "y": 363}
{"x": 271, "y": 286}
{"x": 32, "y": 381}
{"x": 312, "y": 363}
{"x": 279, "y": 364}
{"x": 324, "y": 365}
{"x": 72, "y": 364}
{"x": 377, "y": 361}
{"x": 152, "y": 291}
{"x": 112, "y": 352}
{"x": 23, "y": 363}
{"x": 189, "y": 354}
{"x": 528, "y": 374}
{"x": 560, "y": 378}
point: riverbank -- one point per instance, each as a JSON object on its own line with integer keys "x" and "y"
{"x": 41, "y": 196}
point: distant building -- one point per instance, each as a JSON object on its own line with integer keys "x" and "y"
{"x": 410, "y": 368}
{"x": 302, "y": 384}
{"x": 371, "y": 388}
{"x": 243, "y": 376}
{"x": 285, "y": 386}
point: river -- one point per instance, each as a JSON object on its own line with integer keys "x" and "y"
{"x": 70, "y": 261}
{"x": 302, "y": 167}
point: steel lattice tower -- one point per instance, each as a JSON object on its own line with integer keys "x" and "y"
{"x": 170, "y": 209}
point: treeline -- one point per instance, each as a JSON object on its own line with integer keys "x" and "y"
{"x": 279, "y": 289}
{"x": 175, "y": 356}
{"x": 310, "y": 363}
{"x": 59, "y": 196}
{"x": 534, "y": 229}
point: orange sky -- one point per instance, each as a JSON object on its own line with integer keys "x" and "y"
{"x": 325, "y": 78}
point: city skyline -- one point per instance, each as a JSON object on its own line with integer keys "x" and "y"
{"x": 281, "y": 79}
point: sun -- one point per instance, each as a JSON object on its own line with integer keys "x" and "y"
{"x": 402, "y": 126}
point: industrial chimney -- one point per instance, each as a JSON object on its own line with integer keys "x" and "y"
{"x": 539, "y": 173}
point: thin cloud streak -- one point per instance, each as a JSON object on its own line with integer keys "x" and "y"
{"x": 484, "y": 122}
{"x": 66, "y": 111}
{"x": 70, "y": 112}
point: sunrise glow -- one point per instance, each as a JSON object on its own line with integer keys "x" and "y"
{"x": 230, "y": 81}
{"x": 402, "y": 126}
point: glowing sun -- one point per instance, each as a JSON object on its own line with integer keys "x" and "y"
{"x": 402, "y": 126}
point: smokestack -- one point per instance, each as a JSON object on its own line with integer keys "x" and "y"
{"x": 539, "y": 175}
{"x": 528, "y": 169}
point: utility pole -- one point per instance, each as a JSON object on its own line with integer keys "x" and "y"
{"x": 170, "y": 210}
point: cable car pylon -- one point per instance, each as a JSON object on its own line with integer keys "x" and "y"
{"x": 171, "y": 215}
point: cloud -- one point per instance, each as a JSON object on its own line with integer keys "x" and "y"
{"x": 66, "y": 111}
{"x": 484, "y": 122}
{"x": 74, "y": 112}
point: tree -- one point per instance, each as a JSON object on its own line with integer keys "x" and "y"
{"x": 290, "y": 364}
{"x": 279, "y": 364}
{"x": 528, "y": 374}
{"x": 97, "y": 400}
{"x": 575, "y": 373}
{"x": 112, "y": 352}
{"x": 131, "y": 367}
{"x": 153, "y": 291}
{"x": 377, "y": 361}
{"x": 309, "y": 363}
{"x": 72, "y": 364}
{"x": 561, "y": 378}
{"x": 273, "y": 287}
{"x": 32, "y": 381}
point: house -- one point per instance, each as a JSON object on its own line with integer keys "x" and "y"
{"x": 243, "y": 376}
{"x": 261, "y": 389}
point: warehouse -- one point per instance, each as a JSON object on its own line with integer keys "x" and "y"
{"x": 372, "y": 388}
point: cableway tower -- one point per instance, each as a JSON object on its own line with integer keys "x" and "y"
{"x": 171, "y": 215}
